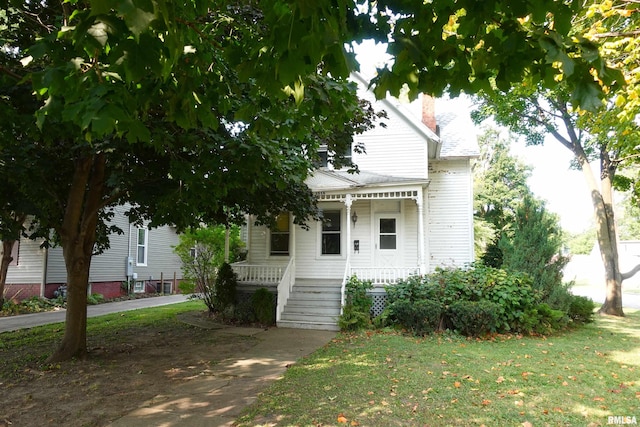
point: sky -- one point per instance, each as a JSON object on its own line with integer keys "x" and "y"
{"x": 564, "y": 189}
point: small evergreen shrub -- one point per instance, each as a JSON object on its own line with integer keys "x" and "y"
{"x": 263, "y": 307}
{"x": 225, "y": 288}
{"x": 356, "y": 312}
{"x": 474, "y": 318}
{"x": 581, "y": 309}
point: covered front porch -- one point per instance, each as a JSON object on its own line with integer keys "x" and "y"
{"x": 376, "y": 234}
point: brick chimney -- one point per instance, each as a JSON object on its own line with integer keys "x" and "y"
{"x": 429, "y": 112}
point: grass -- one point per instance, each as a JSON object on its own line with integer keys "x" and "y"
{"x": 578, "y": 378}
{"x": 42, "y": 340}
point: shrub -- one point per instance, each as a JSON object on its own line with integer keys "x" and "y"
{"x": 225, "y": 288}
{"x": 263, "y": 307}
{"x": 474, "y": 318}
{"x": 581, "y": 309}
{"x": 356, "y": 313}
{"x": 94, "y": 299}
{"x": 549, "y": 320}
{"x": 421, "y": 317}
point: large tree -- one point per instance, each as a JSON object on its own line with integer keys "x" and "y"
{"x": 608, "y": 135}
{"x": 196, "y": 111}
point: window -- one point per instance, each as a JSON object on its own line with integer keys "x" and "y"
{"x": 193, "y": 252}
{"x": 280, "y": 236}
{"x": 331, "y": 233}
{"x": 138, "y": 286}
{"x": 388, "y": 233}
{"x": 142, "y": 246}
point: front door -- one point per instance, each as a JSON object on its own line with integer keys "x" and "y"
{"x": 387, "y": 240}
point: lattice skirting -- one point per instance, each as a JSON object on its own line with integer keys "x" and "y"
{"x": 379, "y": 302}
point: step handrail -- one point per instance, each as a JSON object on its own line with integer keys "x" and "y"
{"x": 284, "y": 287}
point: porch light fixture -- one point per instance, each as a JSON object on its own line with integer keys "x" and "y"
{"x": 354, "y": 218}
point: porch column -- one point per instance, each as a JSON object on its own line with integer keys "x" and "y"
{"x": 421, "y": 261}
{"x": 347, "y": 202}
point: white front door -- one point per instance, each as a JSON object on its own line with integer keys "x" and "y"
{"x": 387, "y": 240}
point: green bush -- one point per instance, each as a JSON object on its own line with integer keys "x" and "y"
{"x": 549, "y": 320}
{"x": 94, "y": 299}
{"x": 263, "y": 307}
{"x": 474, "y": 318}
{"x": 356, "y": 312}
{"x": 421, "y": 317}
{"x": 225, "y": 288}
{"x": 581, "y": 309}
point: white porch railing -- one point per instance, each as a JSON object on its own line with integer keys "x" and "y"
{"x": 384, "y": 275}
{"x": 345, "y": 278}
{"x": 285, "y": 286}
{"x": 266, "y": 274}
{"x": 283, "y": 277}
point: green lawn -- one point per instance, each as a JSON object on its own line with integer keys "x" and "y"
{"x": 578, "y": 378}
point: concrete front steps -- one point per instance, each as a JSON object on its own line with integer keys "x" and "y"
{"x": 312, "y": 304}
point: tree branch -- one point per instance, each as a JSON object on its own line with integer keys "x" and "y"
{"x": 633, "y": 33}
{"x": 630, "y": 273}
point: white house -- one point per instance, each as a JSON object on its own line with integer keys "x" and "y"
{"x": 408, "y": 211}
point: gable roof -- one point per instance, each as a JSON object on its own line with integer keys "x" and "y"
{"x": 457, "y": 136}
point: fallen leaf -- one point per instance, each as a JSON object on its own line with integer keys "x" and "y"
{"x": 486, "y": 402}
{"x": 342, "y": 419}
{"x": 598, "y": 399}
{"x": 565, "y": 383}
{"x": 457, "y": 384}
{"x": 527, "y": 424}
{"x": 500, "y": 379}
{"x": 355, "y": 423}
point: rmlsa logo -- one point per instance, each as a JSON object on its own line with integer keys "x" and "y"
{"x": 620, "y": 420}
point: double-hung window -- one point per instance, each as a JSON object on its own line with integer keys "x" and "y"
{"x": 142, "y": 246}
{"x": 280, "y": 236}
{"x": 330, "y": 240}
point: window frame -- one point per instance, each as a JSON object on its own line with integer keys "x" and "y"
{"x": 141, "y": 284}
{"x": 275, "y": 231}
{"x": 322, "y": 232}
{"x": 144, "y": 246}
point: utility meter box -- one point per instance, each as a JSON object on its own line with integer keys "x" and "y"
{"x": 129, "y": 266}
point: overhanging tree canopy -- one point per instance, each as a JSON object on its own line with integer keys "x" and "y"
{"x": 138, "y": 100}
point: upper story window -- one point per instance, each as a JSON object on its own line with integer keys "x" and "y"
{"x": 326, "y": 157}
{"x": 280, "y": 236}
{"x": 142, "y": 246}
{"x": 330, "y": 240}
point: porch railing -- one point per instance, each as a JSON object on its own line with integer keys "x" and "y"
{"x": 285, "y": 286}
{"x": 384, "y": 275}
{"x": 254, "y": 273}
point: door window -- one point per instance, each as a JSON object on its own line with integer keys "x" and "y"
{"x": 388, "y": 234}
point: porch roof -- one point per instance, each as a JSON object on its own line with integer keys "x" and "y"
{"x": 341, "y": 180}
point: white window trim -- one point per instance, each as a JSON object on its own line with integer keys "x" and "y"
{"x": 139, "y": 286}
{"x": 145, "y": 245}
{"x": 343, "y": 236}
{"x": 269, "y": 232}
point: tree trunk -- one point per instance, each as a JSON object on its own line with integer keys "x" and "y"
{"x": 7, "y": 248}
{"x": 78, "y": 237}
{"x": 608, "y": 241}
{"x": 602, "y": 200}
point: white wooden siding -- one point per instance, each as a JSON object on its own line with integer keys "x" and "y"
{"x": 30, "y": 263}
{"x": 450, "y": 207}
{"x": 397, "y": 150}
